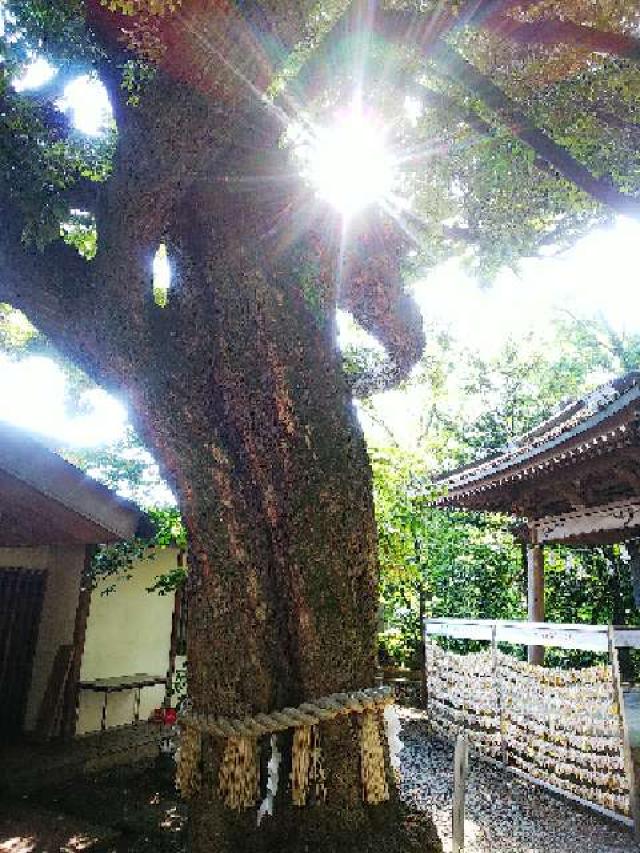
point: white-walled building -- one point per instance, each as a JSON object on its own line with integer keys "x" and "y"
{"x": 73, "y": 660}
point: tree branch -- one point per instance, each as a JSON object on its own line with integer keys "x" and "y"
{"x": 373, "y": 292}
{"x": 53, "y": 287}
{"x": 495, "y": 8}
{"x": 602, "y": 190}
{"x": 84, "y": 194}
{"x": 449, "y": 106}
{"x": 555, "y": 31}
{"x": 625, "y": 124}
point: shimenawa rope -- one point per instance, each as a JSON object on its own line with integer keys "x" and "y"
{"x": 238, "y": 781}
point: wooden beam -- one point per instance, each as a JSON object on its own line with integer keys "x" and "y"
{"x": 629, "y": 474}
{"x": 584, "y": 483}
{"x": 572, "y": 493}
{"x": 173, "y": 646}
{"x": 463, "y": 629}
{"x": 535, "y": 596}
{"x": 621, "y": 517}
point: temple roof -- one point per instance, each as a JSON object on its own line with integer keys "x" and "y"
{"x": 585, "y": 457}
{"x": 45, "y": 500}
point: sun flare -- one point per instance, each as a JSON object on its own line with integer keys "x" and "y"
{"x": 349, "y": 162}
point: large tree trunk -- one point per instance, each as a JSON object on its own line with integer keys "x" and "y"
{"x": 255, "y": 423}
{"x": 238, "y": 388}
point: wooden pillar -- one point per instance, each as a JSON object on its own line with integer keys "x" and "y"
{"x": 173, "y": 645}
{"x": 535, "y": 601}
{"x": 72, "y": 691}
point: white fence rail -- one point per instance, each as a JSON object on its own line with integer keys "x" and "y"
{"x": 595, "y": 638}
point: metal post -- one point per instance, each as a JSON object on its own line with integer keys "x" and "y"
{"x": 427, "y": 693}
{"x": 460, "y": 772}
{"x": 423, "y": 646}
{"x": 103, "y": 721}
{"x": 535, "y": 602}
{"x": 618, "y": 698}
{"x": 498, "y": 690}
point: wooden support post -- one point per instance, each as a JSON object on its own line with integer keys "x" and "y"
{"x": 103, "y": 716}
{"x": 137, "y": 696}
{"x": 629, "y": 766}
{"x": 72, "y": 695}
{"x": 535, "y": 574}
{"x": 51, "y": 714}
{"x": 460, "y": 771}
{"x": 173, "y": 645}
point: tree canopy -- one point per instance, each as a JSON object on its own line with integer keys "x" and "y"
{"x": 514, "y": 127}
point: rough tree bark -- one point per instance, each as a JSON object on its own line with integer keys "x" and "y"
{"x": 253, "y": 419}
{"x": 246, "y": 405}
{"x": 238, "y": 387}
{"x": 275, "y": 490}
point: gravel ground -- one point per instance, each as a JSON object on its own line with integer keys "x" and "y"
{"x": 503, "y": 814}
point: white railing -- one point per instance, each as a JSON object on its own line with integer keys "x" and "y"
{"x": 595, "y": 638}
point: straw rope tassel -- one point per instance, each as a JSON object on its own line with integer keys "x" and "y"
{"x": 374, "y": 781}
{"x": 307, "y": 766}
{"x": 300, "y": 765}
{"x": 188, "y": 775}
{"x": 238, "y": 780}
{"x": 316, "y": 772}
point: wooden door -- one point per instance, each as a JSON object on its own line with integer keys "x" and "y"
{"x": 21, "y": 596}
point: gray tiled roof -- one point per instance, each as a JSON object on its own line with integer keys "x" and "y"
{"x": 572, "y": 423}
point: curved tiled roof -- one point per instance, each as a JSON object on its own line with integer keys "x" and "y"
{"x": 574, "y": 429}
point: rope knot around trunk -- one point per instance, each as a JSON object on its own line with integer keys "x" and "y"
{"x": 239, "y": 775}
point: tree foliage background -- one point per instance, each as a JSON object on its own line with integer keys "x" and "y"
{"x": 470, "y": 564}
